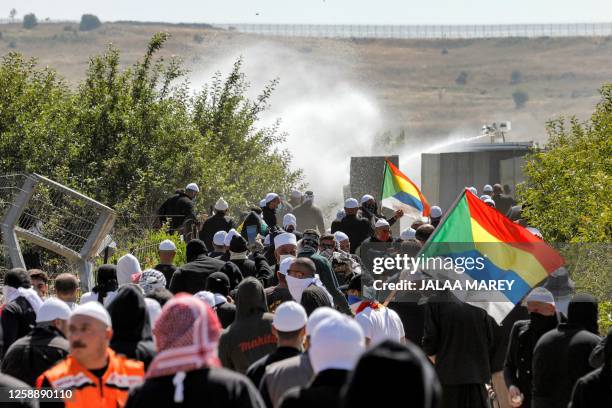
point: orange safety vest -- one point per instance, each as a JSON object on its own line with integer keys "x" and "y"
{"x": 87, "y": 389}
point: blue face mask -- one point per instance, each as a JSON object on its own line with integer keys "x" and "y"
{"x": 353, "y": 299}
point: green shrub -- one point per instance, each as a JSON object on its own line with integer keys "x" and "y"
{"x": 30, "y": 21}
{"x": 89, "y": 22}
{"x": 520, "y": 98}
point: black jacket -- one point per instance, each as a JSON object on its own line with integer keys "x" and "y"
{"x": 191, "y": 277}
{"x": 269, "y": 216}
{"x": 314, "y": 297}
{"x": 226, "y": 312}
{"x": 167, "y": 270}
{"x": 257, "y": 267}
{"x": 178, "y": 209}
{"x": 218, "y": 222}
{"x": 357, "y": 229}
{"x": 35, "y": 353}
{"x": 323, "y": 392}
{"x": 131, "y": 327}
{"x": 257, "y": 370}
{"x": 18, "y": 319}
{"x": 9, "y": 383}
{"x": 309, "y": 216}
{"x": 210, "y": 387}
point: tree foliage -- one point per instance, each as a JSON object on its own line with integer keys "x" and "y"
{"x": 30, "y": 21}
{"x": 520, "y": 98}
{"x": 89, "y": 22}
{"x": 130, "y": 138}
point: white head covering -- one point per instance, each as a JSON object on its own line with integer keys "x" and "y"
{"x": 221, "y": 204}
{"x": 127, "y": 266}
{"x": 289, "y": 219}
{"x": 473, "y": 190}
{"x": 289, "y": 316}
{"x": 52, "y": 309}
{"x": 270, "y": 197}
{"x": 317, "y": 316}
{"x": 540, "y": 294}
{"x": 153, "y": 309}
{"x": 150, "y": 280}
{"x": 286, "y": 238}
{"x": 490, "y": 201}
{"x": 167, "y": 245}
{"x": 435, "y": 212}
{"x": 365, "y": 198}
{"x": 219, "y": 238}
{"x": 484, "y": 197}
{"x": 262, "y": 203}
{"x": 340, "y": 236}
{"x": 487, "y": 188}
{"x": 351, "y": 203}
{"x": 192, "y": 187}
{"x": 285, "y": 264}
{"x": 407, "y": 234}
{"x": 94, "y": 310}
{"x": 296, "y": 194}
{"x": 207, "y": 297}
{"x": 10, "y": 293}
{"x": 381, "y": 222}
{"x": 229, "y": 236}
{"x": 336, "y": 343}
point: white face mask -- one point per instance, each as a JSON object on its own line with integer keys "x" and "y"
{"x": 285, "y": 256}
{"x": 297, "y": 286}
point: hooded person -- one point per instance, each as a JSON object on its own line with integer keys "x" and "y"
{"x": 257, "y": 267}
{"x": 561, "y": 356}
{"x": 186, "y": 368}
{"x": 219, "y": 221}
{"x": 128, "y": 269}
{"x": 392, "y": 357}
{"x": 21, "y": 303}
{"x": 106, "y": 286}
{"x": 131, "y": 325}
{"x": 250, "y": 337}
{"x": 309, "y": 215}
{"x": 523, "y": 339}
{"x": 335, "y": 347}
{"x": 595, "y": 388}
{"x": 191, "y": 277}
{"x": 218, "y": 284}
{"x": 45, "y": 345}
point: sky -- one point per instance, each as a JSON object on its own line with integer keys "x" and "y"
{"x": 321, "y": 11}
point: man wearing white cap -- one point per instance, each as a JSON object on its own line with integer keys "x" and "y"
{"x": 354, "y": 226}
{"x": 166, "y": 252}
{"x": 271, "y": 203}
{"x": 290, "y": 225}
{"x": 45, "y": 345}
{"x": 369, "y": 210}
{"x": 218, "y": 222}
{"x": 309, "y": 215}
{"x": 289, "y": 327}
{"x": 435, "y": 215}
{"x": 523, "y": 338}
{"x": 382, "y": 234}
{"x": 336, "y": 345}
{"x": 487, "y": 189}
{"x": 95, "y": 374}
{"x": 218, "y": 245}
{"x": 179, "y": 208}
{"x": 285, "y": 247}
{"x": 295, "y": 198}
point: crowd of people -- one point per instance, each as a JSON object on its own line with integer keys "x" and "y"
{"x": 271, "y": 310}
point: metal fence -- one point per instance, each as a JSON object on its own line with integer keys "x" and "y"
{"x": 425, "y": 31}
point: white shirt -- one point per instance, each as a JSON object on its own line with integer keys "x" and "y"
{"x": 380, "y": 324}
{"x": 93, "y": 297}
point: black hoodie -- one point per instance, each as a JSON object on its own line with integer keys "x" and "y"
{"x": 131, "y": 326}
{"x": 595, "y": 388}
{"x": 250, "y": 336}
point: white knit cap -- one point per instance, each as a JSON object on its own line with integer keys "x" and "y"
{"x": 366, "y": 197}
{"x": 262, "y": 203}
{"x": 219, "y": 238}
{"x": 94, "y": 310}
{"x": 229, "y": 236}
{"x": 52, "y": 309}
{"x": 336, "y": 343}
{"x": 167, "y": 245}
{"x": 296, "y": 194}
{"x": 221, "y": 204}
{"x": 381, "y": 223}
{"x": 351, "y": 203}
{"x": 286, "y": 238}
{"x": 435, "y": 212}
{"x": 127, "y": 266}
{"x": 487, "y": 188}
{"x": 473, "y": 190}
{"x": 317, "y": 316}
{"x": 340, "y": 236}
{"x": 270, "y": 197}
{"x": 289, "y": 316}
{"x": 285, "y": 264}
{"x": 540, "y": 294}
{"x": 289, "y": 219}
{"x": 193, "y": 187}
{"x": 206, "y": 297}
{"x": 407, "y": 234}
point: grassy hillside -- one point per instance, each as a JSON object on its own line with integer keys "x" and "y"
{"x": 413, "y": 82}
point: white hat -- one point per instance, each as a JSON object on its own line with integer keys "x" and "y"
{"x": 167, "y": 245}
{"x": 285, "y": 264}
{"x": 206, "y": 297}
{"x": 267, "y": 240}
{"x": 289, "y": 316}
{"x": 270, "y": 197}
{"x": 381, "y": 223}
{"x": 52, "y": 309}
{"x": 317, "y": 316}
{"x": 540, "y": 294}
{"x": 407, "y": 234}
{"x": 94, "y": 310}
{"x": 487, "y": 188}
{"x": 351, "y": 203}
{"x": 473, "y": 190}
{"x": 535, "y": 232}
{"x": 229, "y": 236}
{"x": 340, "y": 236}
{"x": 192, "y": 187}
{"x": 286, "y": 238}
{"x": 219, "y": 238}
{"x": 435, "y": 212}
{"x": 366, "y": 197}
{"x": 484, "y": 197}
{"x": 296, "y": 194}
{"x": 127, "y": 266}
{"x": 336, "y": 343}
{"x": 221, "y": 204}
{"x": 262, "y": 203}
{"x": 490, "y": 201}
{"x": 289, "y": 219}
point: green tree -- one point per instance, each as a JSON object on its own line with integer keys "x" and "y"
{"x": 30, "y": 21}
{"x": 520, "y": 98}
{"x": 13, "y": 14}
{"x": 89, "y": 22}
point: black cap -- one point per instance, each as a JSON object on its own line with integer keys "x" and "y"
{"x": 238, "y": 244}
{"x": 218, "y": 282}
{"x": 17, "y": 278}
